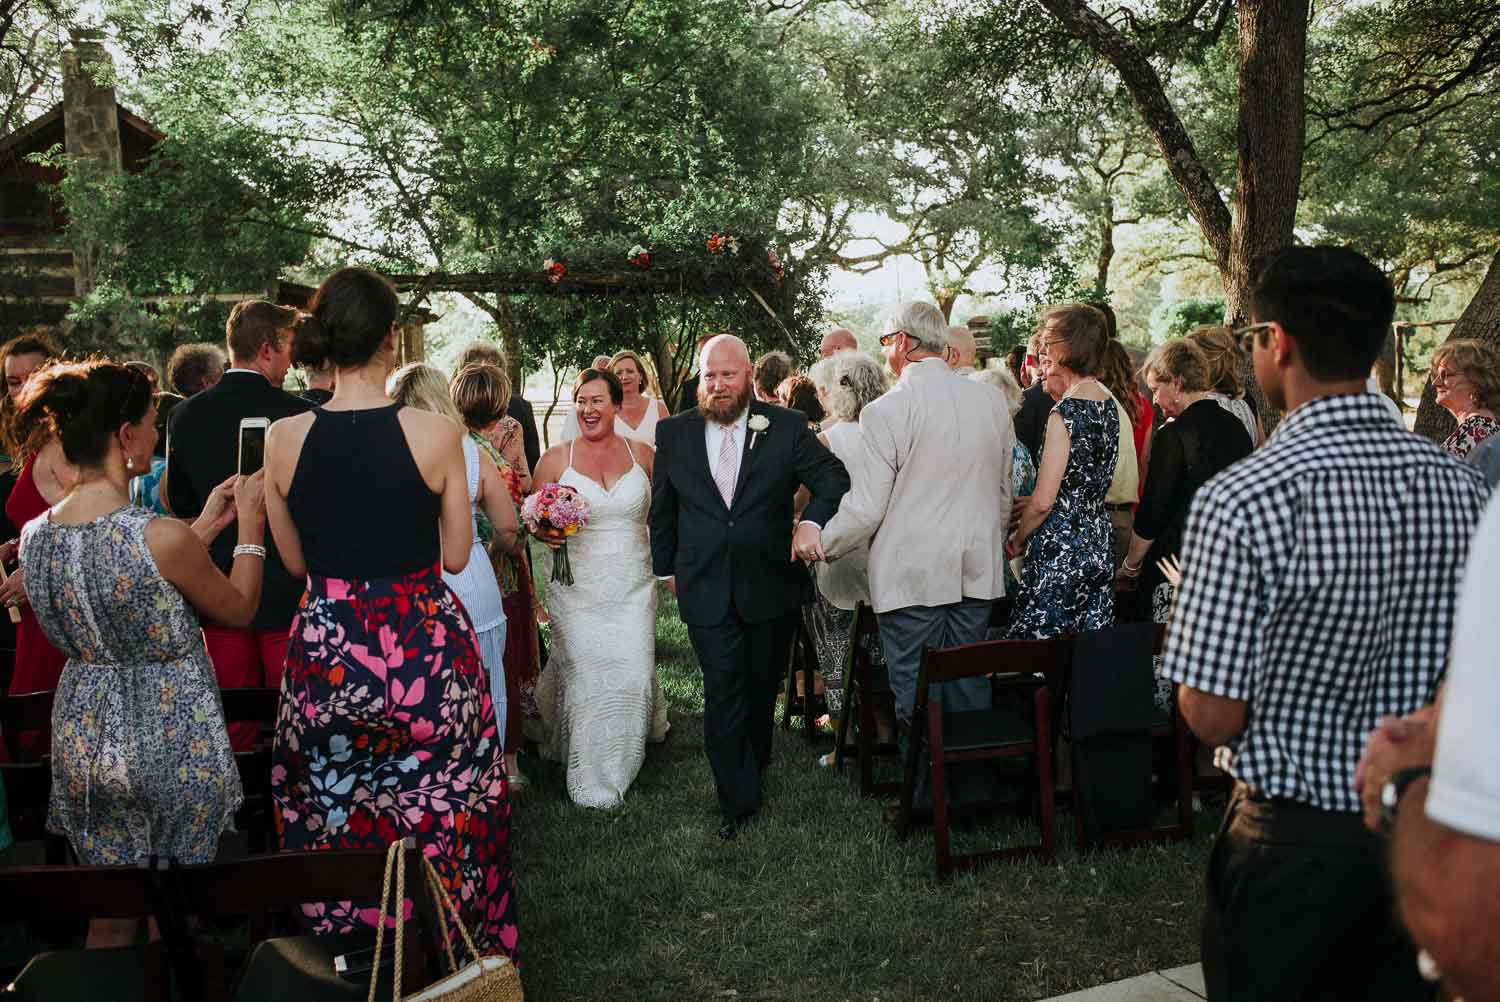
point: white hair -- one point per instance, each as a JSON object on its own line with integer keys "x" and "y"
{"x": 1002, "y": 380}
{"x": 923, "y": 322}
{"x": 855, "y": 381}
{"x": 821, "y": 373}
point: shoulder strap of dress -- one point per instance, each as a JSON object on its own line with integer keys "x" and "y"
{"x": 570, "y": 451}
{"x": 629, "y": 450}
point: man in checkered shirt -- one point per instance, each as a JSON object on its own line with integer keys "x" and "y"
{"x": 1320, "y": 578}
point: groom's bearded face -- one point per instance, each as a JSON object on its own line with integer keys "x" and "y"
{"x": 724, "y": 390}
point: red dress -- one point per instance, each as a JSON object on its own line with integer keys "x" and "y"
{"x": 38, "y": 664}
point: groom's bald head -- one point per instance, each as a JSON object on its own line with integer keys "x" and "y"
{"x": 724, "y": 379}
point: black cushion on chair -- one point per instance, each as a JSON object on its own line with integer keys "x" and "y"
{"x": 114, "y": 975}
{"x": 1110, "y": 715}
{"x": 976, "y": 730}
{"x": 301, "y": 968}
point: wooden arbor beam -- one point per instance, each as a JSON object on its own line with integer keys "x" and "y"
{"x": 638, "y": 282}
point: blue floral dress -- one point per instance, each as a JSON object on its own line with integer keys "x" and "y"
{"x": 1067, "y": 581}
{"x": 141, "y": 763}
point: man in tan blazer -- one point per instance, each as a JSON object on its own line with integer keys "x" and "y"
{"x": 932, "y": 487}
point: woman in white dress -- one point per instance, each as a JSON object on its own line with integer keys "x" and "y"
{"x": 638, "y": 411}
{"x": 426, "y": 389}
{"x": 596, "y": 696}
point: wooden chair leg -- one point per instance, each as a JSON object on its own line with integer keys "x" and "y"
{"x": 909, "y": 777}
{"x": 1042, "y": 702}
{"x": 1185, "y": 757}
{"x": 791, "y": 685}
{"x": 809, "y": 676}
{"x": 866, "y": 740}
{"x": 942, "y": 848}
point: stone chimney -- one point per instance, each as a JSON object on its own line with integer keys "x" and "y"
{"x": 90, "y": 119}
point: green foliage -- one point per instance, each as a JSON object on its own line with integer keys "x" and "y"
{"x": 1178, "y": 317}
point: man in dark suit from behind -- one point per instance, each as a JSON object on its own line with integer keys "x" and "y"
{"x": 1036, "y": 404}
{"x": 203, "y": 452}
{"x": 483, "y": 352}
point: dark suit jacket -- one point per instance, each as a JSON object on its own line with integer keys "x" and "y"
{"x": 317, "y": 396}
{"x": 202, "y": 452}
{"x": 740, "y": 555}
{"x": 520, "y": 409}
{"x": 1031, "y": 419}
{"x": 687, "y": 398}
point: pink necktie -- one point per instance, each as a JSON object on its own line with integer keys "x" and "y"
{"x": 728, "y": 460}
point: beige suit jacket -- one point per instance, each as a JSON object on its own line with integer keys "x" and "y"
{"x": 932, "y": 488}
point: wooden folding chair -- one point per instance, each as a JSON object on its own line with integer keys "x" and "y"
{"x": 257, "y": 816}
{"x": 1183, "y": 747}
{"x": 22, "y": 714}
{"x": 865, "y": 684}
{"x": 1021, "y": 667}
{"x": 27, "y": 776}
{"x": 803, "y": 660}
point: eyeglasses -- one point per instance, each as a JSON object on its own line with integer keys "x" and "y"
{"x": 1244, "y": 337}
{"x": 886, "y": 339}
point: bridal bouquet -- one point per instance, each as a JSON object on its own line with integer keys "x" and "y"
{"x": 553, "y": 514}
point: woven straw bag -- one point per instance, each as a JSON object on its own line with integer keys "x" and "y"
{"x": 484, "y": 979}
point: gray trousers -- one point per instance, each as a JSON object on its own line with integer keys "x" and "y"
{"x": 904, "y": 634}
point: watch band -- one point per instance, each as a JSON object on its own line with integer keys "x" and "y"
{"x": 1395, "y": 785}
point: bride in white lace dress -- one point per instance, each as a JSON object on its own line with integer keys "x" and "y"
{"x": 596, "y": 695}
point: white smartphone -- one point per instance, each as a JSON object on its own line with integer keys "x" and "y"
{"x": 252, "y": 444}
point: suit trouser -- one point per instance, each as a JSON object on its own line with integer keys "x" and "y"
{"x": 904, "y": 634}
{"x": 1300, "y": 909}
{"x": 742, "y": 665}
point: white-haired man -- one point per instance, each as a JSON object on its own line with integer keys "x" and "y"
{"x": 962, "y": 350}
{"x": 933, "y": 491}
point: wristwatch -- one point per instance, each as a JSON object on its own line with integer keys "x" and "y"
{"x": 1395, "y": 785}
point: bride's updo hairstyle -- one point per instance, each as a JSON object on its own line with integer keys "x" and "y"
{"x": 84, "y": 403}
{"x": 349, "y": 318}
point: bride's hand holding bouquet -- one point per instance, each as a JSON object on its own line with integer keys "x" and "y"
{"x": 553, "y": 514}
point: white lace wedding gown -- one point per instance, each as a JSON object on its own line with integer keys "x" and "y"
{"x": 596, "y": 693}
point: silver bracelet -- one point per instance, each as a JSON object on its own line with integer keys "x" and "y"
{"x": 250, "y": 550}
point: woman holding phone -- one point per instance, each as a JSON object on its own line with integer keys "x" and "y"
{"x": 386, "y": 727}
{"x": 141, "y": 761}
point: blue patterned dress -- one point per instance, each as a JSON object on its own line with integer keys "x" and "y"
{"x": 140, "y": 755}
{"x": 1067, "y": 582}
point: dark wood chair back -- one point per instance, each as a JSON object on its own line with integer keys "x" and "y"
{"x": 865, "y": 686}
{"x": 22, "y": 713}
{"x": 256, "y": 818}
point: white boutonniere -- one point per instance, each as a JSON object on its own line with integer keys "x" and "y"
{"x": 758, "y": 424}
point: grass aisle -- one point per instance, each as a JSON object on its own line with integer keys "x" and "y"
{"x": 818, "y": 900}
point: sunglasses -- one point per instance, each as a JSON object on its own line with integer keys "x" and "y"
{"x": 1245, "y": 338}
{"x": 886, "y": 339}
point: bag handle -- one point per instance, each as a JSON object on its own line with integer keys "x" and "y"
{"x": 441, "y": 897}
{"x": 393, "y": 861}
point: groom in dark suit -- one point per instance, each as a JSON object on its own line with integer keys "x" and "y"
{"x": 721, "y": 533}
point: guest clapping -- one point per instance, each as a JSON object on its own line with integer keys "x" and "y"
{"x": 1466, "y": 381}
{"x": 1067, "y": 583}
{"x": 141, "y": 761}
{"x": 386, "y": 728}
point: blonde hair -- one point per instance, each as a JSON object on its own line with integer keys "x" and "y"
{"x": 419, "y": 385}
{"x": 1077, "y": 337}
{"x": 481, "y": 393}
{"x": 648, "y": 371}
{"x": 1182, "y": 359}
{"x": 1479, "y": 361}
{"x": 1223, "y": 357}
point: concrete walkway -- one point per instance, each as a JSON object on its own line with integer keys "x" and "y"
{"x": 1180, "y": 984}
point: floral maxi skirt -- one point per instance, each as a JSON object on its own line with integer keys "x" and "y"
{"x": 386, "y": 730}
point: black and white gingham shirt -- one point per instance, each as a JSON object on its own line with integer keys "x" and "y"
{"x": 1320, "y": 578}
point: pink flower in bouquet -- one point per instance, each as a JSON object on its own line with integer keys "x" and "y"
{"x": 553, "y": 514}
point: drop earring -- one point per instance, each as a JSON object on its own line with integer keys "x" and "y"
{"x": 129, "y": 463}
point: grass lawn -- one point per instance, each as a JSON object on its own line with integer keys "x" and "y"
{"x": 819, "y": 899}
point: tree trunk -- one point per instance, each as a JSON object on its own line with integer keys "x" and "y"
{"x": 1272, "y": 136}
{"x": 1481, "y": 320}
{"x": 1106, "y": 250}
{"x": 1385, "y": 370}
{"x": 511, "y": 345}
{"x": 945, "y": 300}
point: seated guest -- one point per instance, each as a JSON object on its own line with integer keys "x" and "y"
{"x": 962, "y": 350}
{"x": 194, "y": 368}
{"x": 937, "y": 443}
{"x": 1226, "y": 370}
{"x": 1320, "y": 576}
{"x": 424, "y": 388}
{"x": 856, "y": 380}
{"x": 799, "y": 394}
{"x": 1118, "y": 376}
{"x": 1036, "y": 403}
{"x": 481, "y": 392}
{"x": 141, "y": 764}
{"x": 1466, "y": 382}
{"x": 770, "y": 369}
{"x": 386, "y": 728}
{"x": 519, "y": 408}
{"x": 1067, "y": 579}
{"x": 836, "y": 340}
{"x": 1022, "y": 471}
{"x": 203, "y": 439}
{"x": 1200, "y": 439}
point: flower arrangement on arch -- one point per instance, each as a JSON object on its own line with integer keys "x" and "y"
{"x": 777, "y": 268}
{"x": 721, "y": 242}
{"x": 640, "y": 256}
{"x": 554, "y": 269}
{"x": 553, "y": 514}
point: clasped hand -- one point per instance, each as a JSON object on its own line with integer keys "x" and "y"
{"x": 1396, "y": 743}
{"x": 807, "y": 543}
